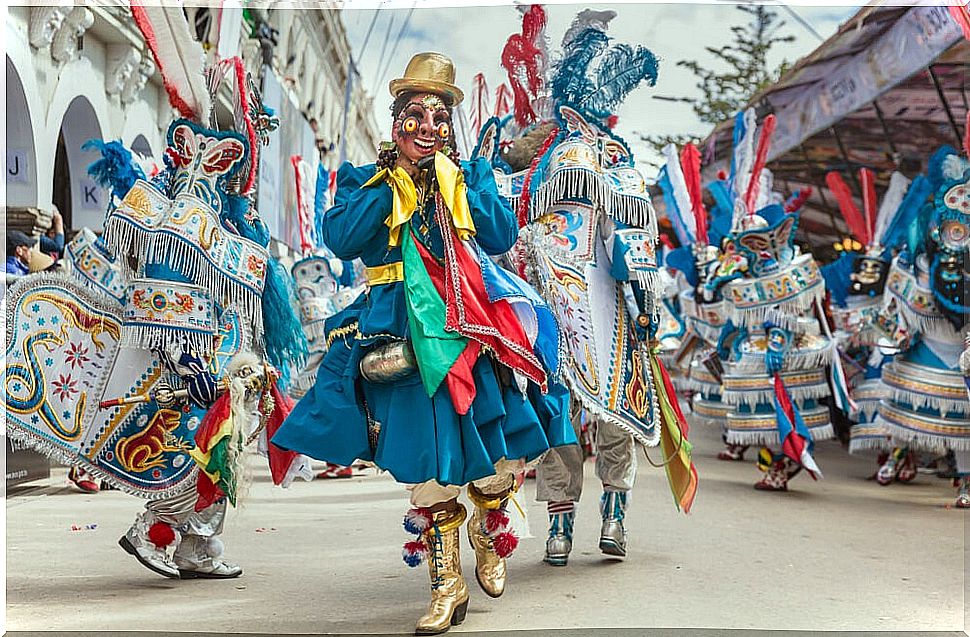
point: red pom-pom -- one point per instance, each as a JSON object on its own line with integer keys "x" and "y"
{"x": 505, "y": 543}
{"x": 722, "y": 174}
{"x": 495, "y": 521}
{"x": 611, "y": 121}
{"x": 414, "y": 553}
{"x": 161, "y": 534}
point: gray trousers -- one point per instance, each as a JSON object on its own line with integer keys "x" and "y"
{"x": 179, "y": 512}
{"x": 559, "y": 476}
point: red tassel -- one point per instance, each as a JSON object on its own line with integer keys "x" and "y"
{"x": 612, "y": 121}
{"x": 161, "y": 534}
{"x": 495, "y": 522}
{"x": 761, "y": 156}
{"x": 853, "y": 218}
{"x": 279, "y": 460}
{"x": 505, "y": 544}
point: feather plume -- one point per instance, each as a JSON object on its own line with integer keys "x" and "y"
{"x": 570, "y": 82}
{"x": 286, "y": 344}
{"x": 745, "y": 129}
{"x": 761, "y": 156}
{"x": 897, "y": 229}
{"x": 479, "y": 104}
{"x": 851, "y": 214}
{"x": 503, "y": 100}
{"x": 522, "y": 59}
{"x": 587, "y": 19}
{"x": 179, "y": 58}
{"x": 116, "y": 169}
{"x": 681, "y": 216}
{"x": 621, "y": 70}
{"x": 867, "y": 179}
{"x": 797, "y": 200}
{"x": 320, "y": 200}
{"x": 690, "y": 163}
{"x": 892, "y": 199}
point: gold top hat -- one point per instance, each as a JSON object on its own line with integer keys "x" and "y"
{"x": 429, "y": 73}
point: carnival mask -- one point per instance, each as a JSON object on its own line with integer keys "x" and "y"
{"x": 950, "y": 280}
{"x": 869, "y": 276}
{"x": 423, "y": 127}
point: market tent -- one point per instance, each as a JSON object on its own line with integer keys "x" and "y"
{"x": 883, "y": 92}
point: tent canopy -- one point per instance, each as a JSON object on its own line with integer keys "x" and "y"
{"x": 883, "y": 92}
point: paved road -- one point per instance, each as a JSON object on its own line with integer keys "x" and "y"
{"x": 840, "y": 554}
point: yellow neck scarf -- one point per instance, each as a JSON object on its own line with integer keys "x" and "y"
{"x": 451, "y": 184}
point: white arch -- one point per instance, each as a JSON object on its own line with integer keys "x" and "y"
{"x": 88, "y": 201}
{"x": 21, "y": 174}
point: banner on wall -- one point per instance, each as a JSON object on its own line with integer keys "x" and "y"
{"x": 277, "y": 200}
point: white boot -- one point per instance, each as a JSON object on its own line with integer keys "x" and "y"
{"x": 199, "y": 557}
{"x": 137, "y": 542}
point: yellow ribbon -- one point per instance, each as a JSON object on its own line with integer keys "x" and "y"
{"x": 451, "y": 184}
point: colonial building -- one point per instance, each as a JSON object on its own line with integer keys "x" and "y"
{"x": 80, "y": 72}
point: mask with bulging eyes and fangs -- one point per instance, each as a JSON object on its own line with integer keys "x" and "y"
{"x": 423, "y": 127}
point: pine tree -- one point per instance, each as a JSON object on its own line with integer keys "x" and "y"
{"x": 724, "y": 92}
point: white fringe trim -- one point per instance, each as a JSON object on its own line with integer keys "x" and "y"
{"x": 784, "y": 314}
{"x": 925, "y": 440}
{"x": 752, "y": 398}
{"x": 797, "y": 360}
{"x": 63, "y": 456}
{"x": 565, "y": 183}
{"x": 150, "y": 337}
{"x": 925, "y": 401}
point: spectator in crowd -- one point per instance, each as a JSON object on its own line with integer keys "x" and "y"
{"x": 53, "y": 242}
{"x": 18, "y": 252}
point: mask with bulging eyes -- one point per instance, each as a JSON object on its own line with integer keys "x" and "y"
{"x": 423, "y": 127}
{"x": 869, "y": 276}
{"x": 950, "y": 280}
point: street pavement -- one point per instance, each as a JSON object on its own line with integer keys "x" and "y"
{"x": 325, "y": 557}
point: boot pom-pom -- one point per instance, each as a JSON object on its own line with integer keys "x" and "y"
{"x": 495, "y": 522}
{"x": 161, "y": 534}
{"x": 414, "y": 553}
{"x": 417, "y": 521}
{"x": 214, "y": 546}
{"x": 505, "y": 544}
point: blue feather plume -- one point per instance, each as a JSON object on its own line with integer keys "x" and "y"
{"x": 619, "y": 72}
{"x": 919, "y": 190}
{"x": 570, "y": 82}
{"x": 234, "y": 214}
{"x": 836, "y": 275}
{"x": 934, "y": 168}
{"x": 286, "y": 343}
{"x": 116, "y": 169}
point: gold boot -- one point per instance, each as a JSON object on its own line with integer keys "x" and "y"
{"x": 490, "y": 568}
{"x": 449, "y": 595}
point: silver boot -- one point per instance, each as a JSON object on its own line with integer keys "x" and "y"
{"x": 136, "y": 542}
{"x": 612, "y": 533}
{"x": 560, "y": 541}
{"x": 200, "y": 557}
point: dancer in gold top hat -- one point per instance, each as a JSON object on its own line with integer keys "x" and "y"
{"x": 428, "y": 374}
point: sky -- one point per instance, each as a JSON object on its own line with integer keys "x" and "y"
{"x": 473, "y": 37}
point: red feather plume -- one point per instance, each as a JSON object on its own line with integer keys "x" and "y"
{"x": 868, "y": 180}
{"x": 522, "y": 60}
{"x": 690, "y": 165}
{"x": 761, "y": 156}
{"x": 853, "y": 218}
